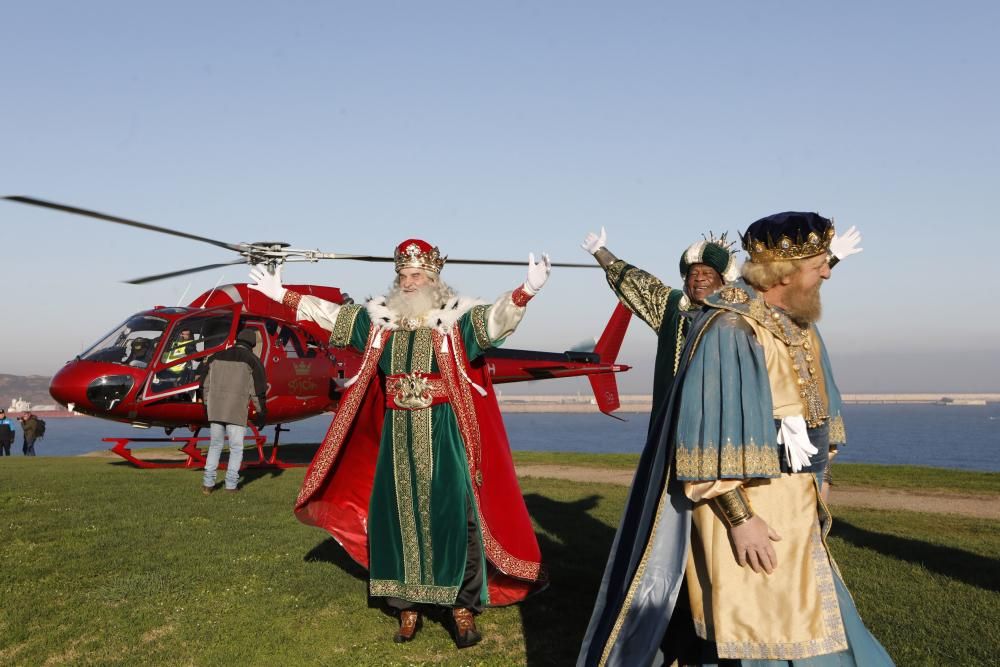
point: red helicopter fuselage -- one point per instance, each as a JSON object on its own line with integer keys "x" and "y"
{"x": 145, "y": 371}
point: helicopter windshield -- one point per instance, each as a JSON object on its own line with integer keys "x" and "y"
{"x": 131, "y": 344}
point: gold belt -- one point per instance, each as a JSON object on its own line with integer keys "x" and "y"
{"x": 414, "y": 391}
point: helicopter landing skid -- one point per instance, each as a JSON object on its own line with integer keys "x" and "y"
{"x": 190, "y": 446}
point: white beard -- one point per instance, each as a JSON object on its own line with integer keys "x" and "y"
{"x": 415, "y": 304}
{"x": 435, "y": 306}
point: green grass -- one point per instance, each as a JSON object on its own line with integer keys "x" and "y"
{"x": 104, "y": 564}
{"x": 915, "y": 478}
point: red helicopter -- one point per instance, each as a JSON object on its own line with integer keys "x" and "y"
{"x": 145, "y": 370}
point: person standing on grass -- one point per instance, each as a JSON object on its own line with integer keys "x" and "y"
{"x": 415, "y": 478}
{"x": 30, "y": 427}
{"x": 720, "y": 556}
{"x": 232, "y": 378}
{"x": 8, "y": 433}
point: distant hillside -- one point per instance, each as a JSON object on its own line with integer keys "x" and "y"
{"x": 32, "y": 388}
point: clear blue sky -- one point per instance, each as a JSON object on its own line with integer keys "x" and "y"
{"x": 497, "y": 128}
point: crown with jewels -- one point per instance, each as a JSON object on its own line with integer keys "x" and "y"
{"x": 787, "y": 236}
{"x": 417, "y": 254}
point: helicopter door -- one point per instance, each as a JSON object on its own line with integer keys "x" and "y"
{"x": 192, "y": 340}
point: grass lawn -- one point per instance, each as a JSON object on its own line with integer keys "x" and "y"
{"x": 101, "y": 563}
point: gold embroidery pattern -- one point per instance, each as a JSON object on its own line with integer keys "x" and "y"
{"x": 444, "y": 595}
{"x": 679, "y": 347}
{"x": 838, "y": 432}
{"x": 411, "y": 433}
{"x": 642, "y": 293}
{"x": 404, "y": 497}
{"x": 734, "y": 295}
{"x": 399, "y": 357}
{"x": 750, "y": 460}
{"x": 327, "y": 452}
{"x": 834, "y": 638}
{"x": 291, "y": 300}
{"x": 478, "y": 315}
{"x": 344, "y": 326}
{"x": 468, "y": 426}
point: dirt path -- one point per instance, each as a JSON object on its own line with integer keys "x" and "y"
{"x": 985, "y": 507}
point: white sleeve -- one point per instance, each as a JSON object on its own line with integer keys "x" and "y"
{"x": 504, "y": 317}
{"x": 323, "y": 313}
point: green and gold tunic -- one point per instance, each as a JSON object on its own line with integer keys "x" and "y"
{"x": 422, "y": 491}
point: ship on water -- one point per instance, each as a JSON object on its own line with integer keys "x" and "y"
{"x": 19, "y": 407}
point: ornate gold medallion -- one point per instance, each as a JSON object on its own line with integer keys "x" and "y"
{"x": 734, "y": 295}
{"x": 413, "y": 392}
{"x": 409, "y": 323}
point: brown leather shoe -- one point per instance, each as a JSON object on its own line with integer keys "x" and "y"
{"x": 409, "y": 623}
{"x": 466, "y": 634}
{"x": 207, "y": 490}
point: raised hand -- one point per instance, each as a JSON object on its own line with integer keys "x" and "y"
{"x": 538, "y": 273}
{"x": 267, "y": 284}
{"x": 846, "y": 244}
{"x": 594, "y": 242}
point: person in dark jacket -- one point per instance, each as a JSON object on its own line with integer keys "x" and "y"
{"x": 8, "y": 431}
{"x": 231, "y": 379}
{"x": 29, "y": 425}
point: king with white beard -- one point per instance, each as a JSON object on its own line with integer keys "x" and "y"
{"x": 414, "y": 478}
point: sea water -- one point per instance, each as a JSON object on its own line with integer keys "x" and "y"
{"x": 954, "y": 436}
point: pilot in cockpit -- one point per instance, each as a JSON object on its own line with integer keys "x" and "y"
{"x": 139, "y": 355}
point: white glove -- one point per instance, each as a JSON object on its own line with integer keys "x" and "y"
{"x": 538, "y": 273}
{"x": 267, "y": 284}
{"x": 846, "y": 244}
{"x": 793, "y": 435}
{"x": 595, "y": 242}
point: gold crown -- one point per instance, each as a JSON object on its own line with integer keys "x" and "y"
{"x": 416, "y": 254}
{"x": 301, "y": 367}
{"x": 787, "y": 248}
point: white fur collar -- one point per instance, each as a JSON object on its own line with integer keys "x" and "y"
{"x": 441, "y": 319}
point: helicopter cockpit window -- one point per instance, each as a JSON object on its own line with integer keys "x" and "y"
{"x": 182, "y": 352}
{"x": 131, "y": 344}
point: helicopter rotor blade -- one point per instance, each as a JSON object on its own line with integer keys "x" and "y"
{"x": 487, "y": 262}
{"x": 31, "y": 201}
{"x": 173, "y": 274}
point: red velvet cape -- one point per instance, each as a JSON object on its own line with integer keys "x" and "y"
{"x": 338, "y": 483}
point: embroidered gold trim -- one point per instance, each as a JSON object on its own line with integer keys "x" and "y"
{"x": 733, "y": 295}
{"x": 478, "y": 317}
{"x": 423, "y": 464}
{"x": 679, "y": 346}
{"x": 404, "y": 497}
{"x": 443, "y": 595}
{"x": 468, "y": 426}
{"x": 704, "y": 462}
{"x": 838, "y": 432}
{"x": 643, "y": 293}
{"x": 343, "y": 327}
{"x": 291, "y": 300}
{"x": 346, "y": 410}
{"x": 399, "y": 357}
{"x": 520, "y": 297}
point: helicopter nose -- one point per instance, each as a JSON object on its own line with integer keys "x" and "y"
{"x": 68, "y": 385}
{"x": 91, "y": 387}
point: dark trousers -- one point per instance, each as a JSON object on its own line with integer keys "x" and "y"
{"x": 4, "y": 449}
{"x": 29, "y": 446}
{"x": 472, "y": 582}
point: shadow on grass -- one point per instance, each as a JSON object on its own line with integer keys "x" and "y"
{"x": 969, "y": 568}
{"x": 554, "y": 621}
{"x": 328, "y": 551}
